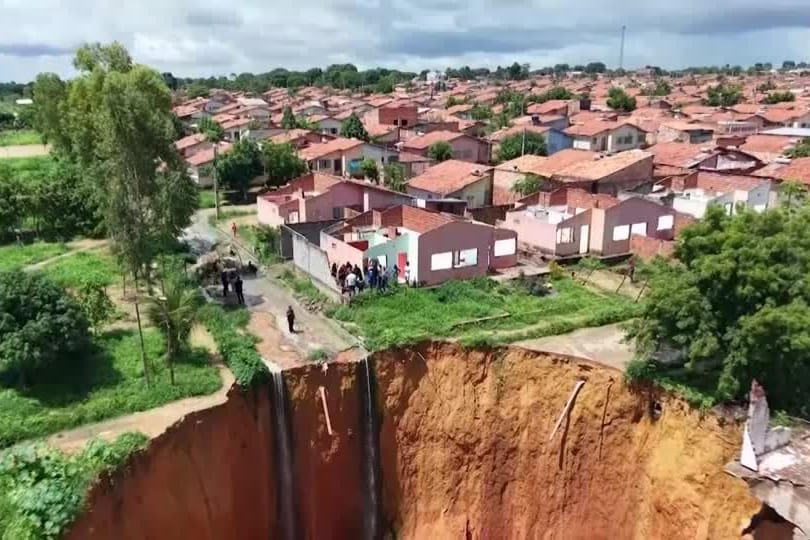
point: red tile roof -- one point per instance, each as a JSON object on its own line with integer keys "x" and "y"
{"x": 191, "y": 140}
{"x": 206, "y": 156}
{"x": 600, "y": 168}
{"x": 449, "y": 177}
{"x": 675, "y": 154}
{"x": 316, "y": 151}
{"x": 428, "y": 139}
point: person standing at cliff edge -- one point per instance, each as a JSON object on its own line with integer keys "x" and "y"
{"x": 291, "y": 319}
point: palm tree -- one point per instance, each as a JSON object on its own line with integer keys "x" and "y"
{"x": 175, "y": 313}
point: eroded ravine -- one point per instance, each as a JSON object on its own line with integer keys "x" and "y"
{"x": 463, "y": 451}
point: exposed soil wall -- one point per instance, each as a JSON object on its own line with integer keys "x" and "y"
{"x": 209, "y": 477}
{"x": 466, "y": 453}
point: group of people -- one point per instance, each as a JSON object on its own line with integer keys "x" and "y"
{"x": 352, "y": 279}
{"x": 231, "y": 279}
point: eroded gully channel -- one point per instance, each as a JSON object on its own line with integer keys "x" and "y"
{"x": 431, "y": 442}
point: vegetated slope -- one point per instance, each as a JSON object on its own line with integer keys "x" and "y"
{"x": 466, "y": 453}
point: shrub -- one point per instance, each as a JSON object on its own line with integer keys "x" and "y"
{"x": 40, "y": 325}
{"x": 42, "y": 490}
{"x": 237, "y": 348}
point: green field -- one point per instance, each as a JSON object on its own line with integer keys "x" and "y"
{"x": 16, "y": 256}
{"x": 407, "y": 315}
{"x": 28, "y": 167}
{"x": 20, "y": 137}
{"x": 97, "y": 266}
{"x": 207, "y": 199}
{"x": 108, "y": 383}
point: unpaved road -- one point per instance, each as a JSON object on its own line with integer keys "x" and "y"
{"x": 23, "y": 150}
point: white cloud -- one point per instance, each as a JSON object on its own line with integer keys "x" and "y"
{"x": 210, "y": 37}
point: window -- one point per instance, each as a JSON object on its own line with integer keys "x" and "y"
{"x": 441, "y": 261}
{"x": 470, "y": 200}
{"x": 621, "y": 232}
{"x": 507, "y": 246}
{"x": 403, "y": 123}
{"x": 324, "y": 163}
{"x": 565, "y": 235}
{"x": 465, "y": 257}
{"x": 337, "y": 212}
{"x": 639, "y": 228}
{"x": 665, "y": 222}
{"x": 640, "y": 138}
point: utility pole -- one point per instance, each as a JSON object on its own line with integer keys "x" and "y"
{"x": 621, "y": 49}
{"x": 216, "y": 190}
{"x": 523, "y": 144}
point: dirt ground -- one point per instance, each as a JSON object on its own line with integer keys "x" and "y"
{"x": 602, "y": 344}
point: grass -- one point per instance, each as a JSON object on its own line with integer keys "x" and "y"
{"x": 408, "y": 315}
{"x": 303, "y": 286}
{"x": 226, "y": 214}
{"x": 207, "y": 199}
{"x": 27, "y": 168}
{"x": 86, "y": 266}
{"x": 104, "y": 384}
{"x": 20, "y": 137}
{"x": 15, "y": 256}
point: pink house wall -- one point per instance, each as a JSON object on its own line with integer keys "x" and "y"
{"x": 459, "y": 236}
{"x": 340, "y": 252}
{"x": 470, "y": 149}
{"x": 377, "y": 200}
{"x": 531, "y": 231}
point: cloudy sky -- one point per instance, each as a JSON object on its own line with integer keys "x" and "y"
{"x": 205, "y": 37}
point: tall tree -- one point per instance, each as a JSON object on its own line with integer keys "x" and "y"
{"x": 734, "y": 304}
{"x": 618, "y": 100}
{"x": 440, "y": 151}
{"x": 353, "y": 128}
{"x": 394, "y": 177}
{"x": 240, "y": 166}
{"x": 520, "y": 144}
{"x": 288, "y": 120}
{"x": 529, "y": 184}
{"x": 281, "y": 163}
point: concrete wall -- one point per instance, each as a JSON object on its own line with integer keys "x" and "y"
{"x": 629, "y": 212}
{"x": 394, "y": 116}
{"x": 648, "y": 248}
{"x": 759, "y": 197}
{"x": 377, "y": 200}
{"x": 458, "y": 236}
{"x": 391, "y": 250}
{"x": 478, "y": 194}
{"x": 636, "y": 136}
{"x": 339, "y": 252}
{"x": 310, "y": 258}
{"x": 470, "y": 149}
{"x": 311, "y": 231}
{"x": 490, "y": 214}
{"x": 557, "y": 140}
{"x": 532, "y": 232}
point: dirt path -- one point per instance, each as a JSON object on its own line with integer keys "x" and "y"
{"x": 602, "y": 344}
{"x": 155, "y": 421}
{"x": 23, "y": 150}
{"x": 77, "y": 246}
{"x": 610, "y": 282}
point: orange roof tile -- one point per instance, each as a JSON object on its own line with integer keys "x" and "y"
{"x": 449, "y": 177}
{"x": 317, "y": 151}
{"x": 600, "y": 168}
{"x": 428, "y": 139}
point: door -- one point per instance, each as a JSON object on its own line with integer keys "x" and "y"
{"x": 402, "y": 259}
{"x": 584, "y": 238}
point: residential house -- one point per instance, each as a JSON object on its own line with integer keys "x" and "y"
{"x": 454, "y": 179}
{"x": 398, "y": 113}
{"x": 768, "y": 148}
{"x": 413, "y": 164}
{"x": 798, "y": 117}
{"x": 625, "y": 171}
{"x": 557, "y": 107}
{"x": 690, "y": 156}
{"x": 342, "y": 157}
{"x": 694, "y": 193}
{"x": 556, "y": 223}
{"x": 191, "y": 144}
{"x": 610, "y": 137}
{"x": 684, "y": 132}
{"x": 508, "y": 173}
{"x": 326, "y": 124}
{"x": 463, "y": 146}
{"x": 298, "y": 138}
{"x": 437, "y": 247}
{"x": 318, "y": 197}
{"x": 200, "y": 164}
{"x": 797, "y": 169}
{"x": 572, "y": 222}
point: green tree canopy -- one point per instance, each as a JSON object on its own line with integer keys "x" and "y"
{"x": 800, "y": 150}
{"x": 618, "y": 100}
{"x": 41, "y": 327}
{"x": 440, "y": 151}
{"x": 779, "y": 97}
{"x": 211, "y": 129}
{"x": 735, "y": 304}
{"x": 394, "y": 177}
{"x": 723, "y": 95}
{"x": 238, "y": 167}
{"x": 531, "y": 183}
{"x": 353, "y": 128}
{"x": 369, "y": 169}
{"x": 288, "y": 120}
{"x": 519, "y": 144}
{"x": 281, "y": 163}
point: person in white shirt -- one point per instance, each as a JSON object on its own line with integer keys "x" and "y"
{"x": 407, "y": 273}
{"x": 351, "y": 283}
